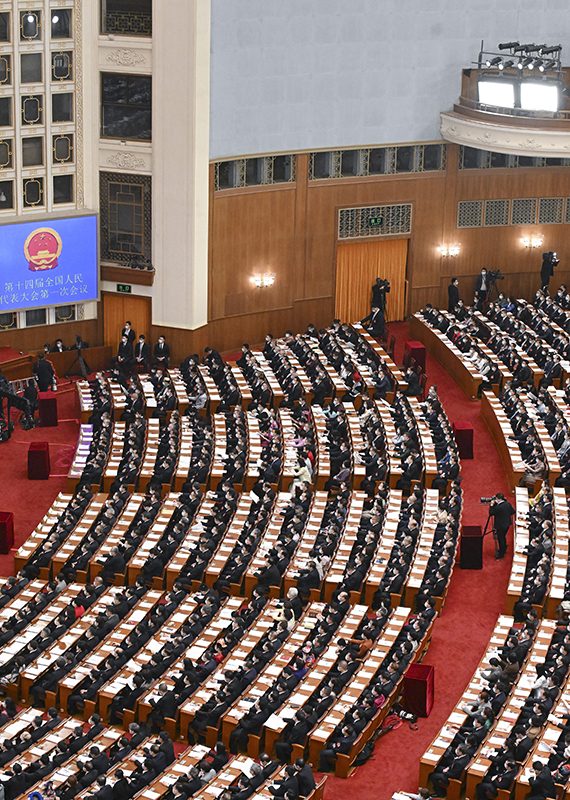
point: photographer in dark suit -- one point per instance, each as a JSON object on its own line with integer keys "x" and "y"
{"x": 502, "y": 512}
{"x": 379, "y": 291}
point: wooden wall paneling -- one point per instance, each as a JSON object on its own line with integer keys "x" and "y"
{"x": 118, "y": 308}
{"x": 300, "y": 246}
{"x": 449, "y": 234}
{"x": 33, "y": 339}
{"x": 424, "y": 260}
{"x": 500, "y": 247}
{"x": 228, "y": 335}
{"x": 318, "y": 310}
{"x": 294, "y": 229}
{"x": 253, "y": 232}
{"x": 211, "y": 240}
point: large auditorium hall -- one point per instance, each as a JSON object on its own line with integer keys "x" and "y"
{"x": 284, "y": 400}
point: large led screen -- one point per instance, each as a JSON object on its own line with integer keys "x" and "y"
{"x": 52, "y": 262}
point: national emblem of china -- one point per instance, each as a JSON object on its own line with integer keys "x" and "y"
{"x": 42, "y": 249}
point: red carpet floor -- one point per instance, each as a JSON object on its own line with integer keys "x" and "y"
{"x": 460, "y": 637}
{"x": 29, "y": 500}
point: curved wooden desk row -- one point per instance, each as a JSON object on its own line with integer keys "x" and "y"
{"x": 443, "y": 349}
{"x": 557, "y": 585}
{"x": 320, "y": 671}
{"x": 289, "y": 462}
{"x": 458, "y": 716}
{"x": 557, "y": 330}
{"x": 504, "y": 722}
{"x": 494, "y": 330}
{"x": 161, "y": 786}
{"x": 500, "y": 428}
{"x": 521, "y": 691}
{"x": 333, "y": 574}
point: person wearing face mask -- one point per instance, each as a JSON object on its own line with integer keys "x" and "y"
{"x": 142, "y": 353}
{"x": 481, "y": 288}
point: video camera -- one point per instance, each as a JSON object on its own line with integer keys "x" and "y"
{"x": 550, "y": 259}
{"x": 383, "y": 283}
{"x": 487, "y": 500}
{"x": 495, "y": 275}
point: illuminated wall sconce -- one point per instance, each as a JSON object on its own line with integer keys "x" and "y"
{"x": 450, "y": 249}
{"x": 532, "y": 240}
{"x": 263, "y": 281}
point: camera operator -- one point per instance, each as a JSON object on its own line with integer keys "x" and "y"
{"x": 549, "y": 261}
{"x": 379, "y": 291}
{"x": 502, "y": 511}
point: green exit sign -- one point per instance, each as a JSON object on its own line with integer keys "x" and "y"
{"x": 375, "y": 222}
{"x": 125, "y": 288}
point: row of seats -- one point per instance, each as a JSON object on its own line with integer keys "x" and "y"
{"x": 231, "y": 600}
{"x": 502, "y": 711}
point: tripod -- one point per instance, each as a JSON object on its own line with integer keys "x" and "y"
{"x": 489, "y": 298}
{"x": 84, "y": 368}
{"x": 494, "y": 532}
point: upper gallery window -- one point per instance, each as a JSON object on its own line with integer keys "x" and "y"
{"x": 129, "y": 17}
{"x": 126, "y": 106}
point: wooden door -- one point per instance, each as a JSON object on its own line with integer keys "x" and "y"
{"x": 118, "y": 308}
{"x": 358, "y": 264}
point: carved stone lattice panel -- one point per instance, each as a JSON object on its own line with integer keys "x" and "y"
{"x": 126, "y": 161}
{"x": 567, "y": 215}
{"x": 497, "y": 212}
{"x": 550, "y": 210}
{"x": 469, "y": 213}
{"x": 125, "y": 57}
{"x": 356, "y": 222}
{"x": 524, "y": 211}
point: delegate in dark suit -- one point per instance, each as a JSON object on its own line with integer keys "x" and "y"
{"x": 142, "y": 353}
{"x": 375, "y": 322}
{"x": 161, "y": 353}
{"x": 452, "y": 295}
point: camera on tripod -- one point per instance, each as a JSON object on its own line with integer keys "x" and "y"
{"x": 487, "y": 500}
{"x": 383, "y": 283}
{"x": 550, "y": 259}
{"x": 495, "y": 275}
